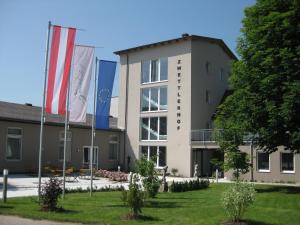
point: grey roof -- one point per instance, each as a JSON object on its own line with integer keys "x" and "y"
{"x": 184, "y": 37}
{"x": 32, "y": 114}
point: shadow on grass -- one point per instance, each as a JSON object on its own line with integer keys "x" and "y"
{"x": 147, "y": 218}
{"x": 161, "y": 205}
{"x": 140, "y": 217}
{"x": 254, "y": 222}
{"x": 68, "y": 211}
{"x": 6, "y": 207}
{"x": 150, "y": 204}
{"x": 281, "y": 189}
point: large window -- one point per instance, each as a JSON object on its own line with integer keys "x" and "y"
{"x": 155, "y": 153}
{"x": 14, "y": 144}
{"x": 61, "y": 146}
{"x": 154, "y": 99}
{"x": 263, "y": 162}
{"x": 154, "y": 70}
{"x": 154, "y": 128}
{"x": 113, "y": 147}
{"x": 287, "y": 163}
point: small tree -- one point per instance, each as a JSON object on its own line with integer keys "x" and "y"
{"x": 237, "y": 198}
{"x": 134, "y": 197}
{"x": 230, "y": 141}
{"x": 150, "y": 178}
{"x": 50, "y": 193}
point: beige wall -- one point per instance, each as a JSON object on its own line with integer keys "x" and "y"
{"x": 203, "y": 52}
{"x": 178, "y": 150}
{"x": 30, "y": 144}
{"x": 194, "y": 112}
{"x": 275, "y": 174}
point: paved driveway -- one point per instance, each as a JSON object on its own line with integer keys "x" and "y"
{"x": 24, "y": 185}
{"x": 14, "y": 220}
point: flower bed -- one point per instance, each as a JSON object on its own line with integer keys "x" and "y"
{"x": 112, "y": 175}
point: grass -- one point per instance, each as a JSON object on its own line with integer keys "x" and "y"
{"x": 273, "y": 205}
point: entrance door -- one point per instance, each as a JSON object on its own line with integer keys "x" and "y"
{"x": 86, "y": 156}
{"x": 203, "y": 158}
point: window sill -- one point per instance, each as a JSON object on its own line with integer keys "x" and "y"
{"x": 13, "y": 160}
{"x": 157, "y": 111}
{"x": 155, "y": 82}
{"x": 112, "y": 160}
{"x": 264, "y": 171}
{"x": 288, "y": 172}
{"x": 153, "y": 140}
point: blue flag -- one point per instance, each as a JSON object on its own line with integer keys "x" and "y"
{"x": 106, "y": 76}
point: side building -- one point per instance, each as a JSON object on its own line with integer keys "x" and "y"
{"x": 19, "y": 142}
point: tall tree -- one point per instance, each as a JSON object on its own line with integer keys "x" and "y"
{"x": 266, "y": 79}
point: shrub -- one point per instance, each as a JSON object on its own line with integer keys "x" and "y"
{"x": 96, "y": 189}
{"x": 50, "y": 192}
{"x": 150, "y": 179}
{"x": 134, "y": 197}
{"x": 189, "y": 185}
{"x": 237, "y": 198}
{"x": 174, "y": 171}
{"x": 112, "y": 175}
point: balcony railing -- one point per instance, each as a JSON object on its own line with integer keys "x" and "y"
{"x": 205, "y": 135}
{"x": 210, "y": 136}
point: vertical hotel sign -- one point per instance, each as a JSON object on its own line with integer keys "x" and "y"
{"x": 179, "y": 92}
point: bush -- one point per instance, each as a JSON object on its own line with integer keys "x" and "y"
{"x": 150, "y": 179}
{"x": 134, "y": 197}
{"x": 95, "y": 189}
{"x": 174, "y": 171}
{"x": 237, "y": 198}
{"x": 189, "y": 185}
{"x": 112, "y": 175}
{"x": 50, "y": 193}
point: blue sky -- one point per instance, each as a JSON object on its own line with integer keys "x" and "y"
{"x": 113, "y": 24}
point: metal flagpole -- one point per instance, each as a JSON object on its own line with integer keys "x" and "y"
{"x": 65, "y": 140}
{"x": 93, "y": 130}
{"x": 43, "y": 113}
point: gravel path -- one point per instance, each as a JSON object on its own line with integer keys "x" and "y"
{"x": 14, "y": 220}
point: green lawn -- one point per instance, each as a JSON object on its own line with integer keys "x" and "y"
{"x": 273, "y": 205}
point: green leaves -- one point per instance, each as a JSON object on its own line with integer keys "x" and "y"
{"x": 266, "y": 81}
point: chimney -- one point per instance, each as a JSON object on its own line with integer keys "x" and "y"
{"x": 184, "y": 35}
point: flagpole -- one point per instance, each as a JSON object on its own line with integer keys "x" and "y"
{"x": 93, "y": 129}
{"x": 42, "y": 112}
{"x": 65, "y": 140}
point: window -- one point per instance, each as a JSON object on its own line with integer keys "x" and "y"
{"x": 86, "y": 155}
{"x": 208, "y": 68}
{"x": 61, "y": 145}
{"x": 113, "y": 147}
{"x": 263, "y": 162}
{"x": 154, "y": 128}
{"x": 155, "y": 153}
{"x": 14, "y": 144}
{"x": 154, "y": 70}
{"x": 221, "y": 74}
{"x": 287, "y": 163}
{"x": 207, "y": 97}
{"x": 154, "y": 99}
{"x": 164, "y": 69}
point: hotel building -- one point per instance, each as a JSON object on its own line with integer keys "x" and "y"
{"x": 168, "y": 95}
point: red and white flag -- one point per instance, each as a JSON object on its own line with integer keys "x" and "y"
{"x": 59, "y": 69}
